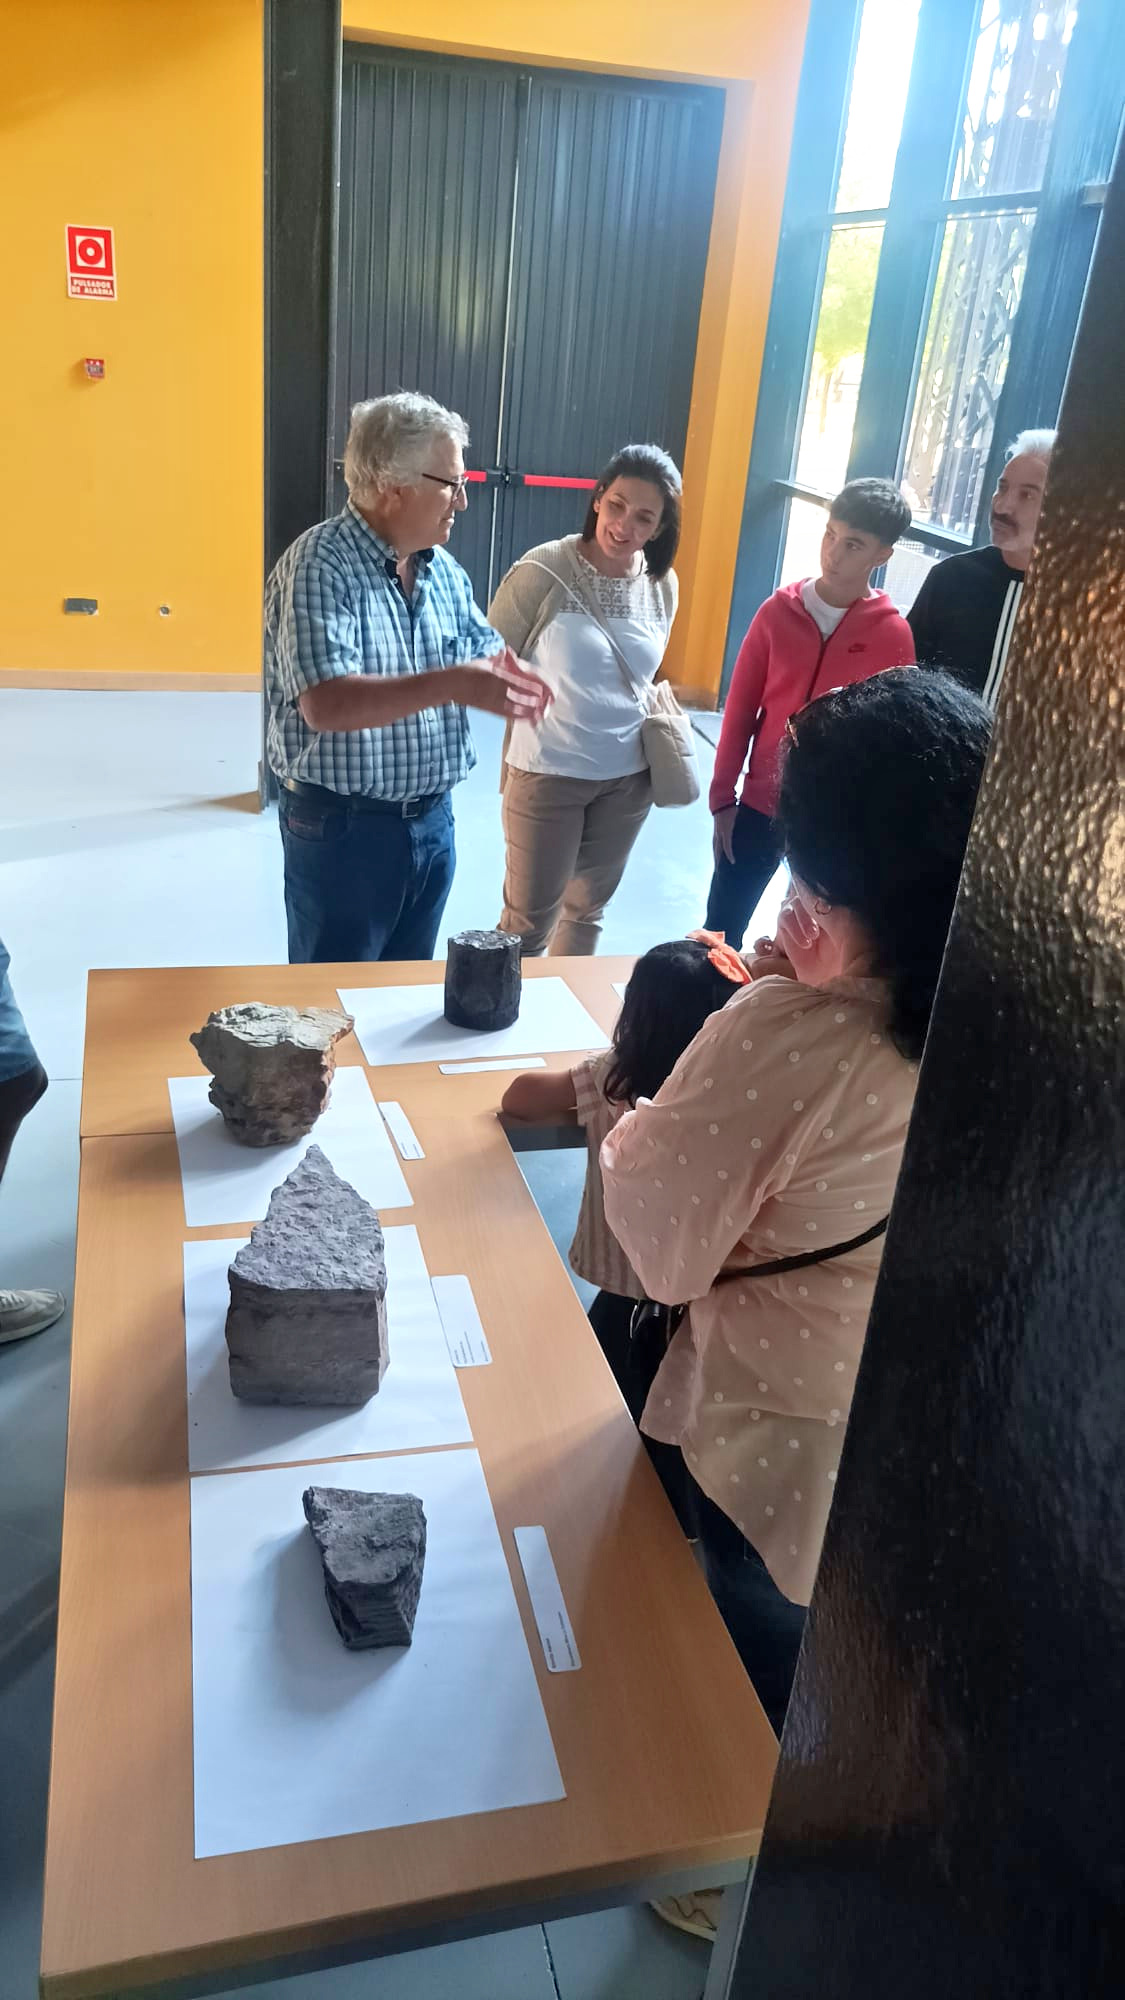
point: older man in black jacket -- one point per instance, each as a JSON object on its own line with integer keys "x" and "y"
{"x": 963, "y": 615}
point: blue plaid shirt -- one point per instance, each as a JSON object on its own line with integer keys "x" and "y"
{"x": 334, "y": 607}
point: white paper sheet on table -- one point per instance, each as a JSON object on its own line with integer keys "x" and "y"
{"x": 296, "y": 1738}
{"x": 493, "y": 1063}
{"x": 419, "y": 1403}
{"x": 405, "y": 1024}
{"x": 619, "y": 986}
{"x": 465, "y": 1336}
{"x": 226, "y": 1182}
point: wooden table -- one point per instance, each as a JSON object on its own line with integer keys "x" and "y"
{"x": 665, "y": 1754}
{"x": 138, "y": 1023}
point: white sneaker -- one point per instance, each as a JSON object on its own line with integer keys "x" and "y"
{"x": 697, "y": 1913}
{"x": 25, "y": 1313}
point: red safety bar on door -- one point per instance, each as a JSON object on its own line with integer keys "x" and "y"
{"x": 501, "y": 476}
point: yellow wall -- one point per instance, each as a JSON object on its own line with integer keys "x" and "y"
{"x": 144, "y": 489}
{"x": 753, "y": 48}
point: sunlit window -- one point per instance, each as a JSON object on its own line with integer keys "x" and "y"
{"x": 948, "y": 171}
{"x": 880, "y": 80}
{"x": 965, "y": 359}
{"x": 1011, "y": 96}
{"x": 837, "y": 361}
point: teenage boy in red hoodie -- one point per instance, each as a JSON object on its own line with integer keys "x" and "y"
{"x": 808, "y": 637}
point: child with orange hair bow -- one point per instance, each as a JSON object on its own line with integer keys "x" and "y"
{"x": 674, "y": 989}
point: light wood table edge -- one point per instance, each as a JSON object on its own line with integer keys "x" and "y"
{"x": 364, "y": 1937}
{"x": 103, "y": 1115}
{"x": 362, "y": 1934}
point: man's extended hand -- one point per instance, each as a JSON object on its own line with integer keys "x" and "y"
{"x": 505, "y": 686}
{"x": 722, "y": 838}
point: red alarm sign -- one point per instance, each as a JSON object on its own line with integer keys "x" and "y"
{"x": 91, "y": 269}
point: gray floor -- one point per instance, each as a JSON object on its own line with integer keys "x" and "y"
{"x": 129, "y": 835}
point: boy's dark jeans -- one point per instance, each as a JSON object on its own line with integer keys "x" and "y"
{"x": 737, "y": 885}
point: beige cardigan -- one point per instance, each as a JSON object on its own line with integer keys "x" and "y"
{"x": 526, "y": 600}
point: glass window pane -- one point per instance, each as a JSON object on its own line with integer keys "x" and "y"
{"x": 976, "y": 298}
{"x": 837, "y": 364}
{"x": 1011, "y": 95}
{"x": 910, "y": 563}
{"x": 876, "y": 103}
{"x": 802, "y": 541}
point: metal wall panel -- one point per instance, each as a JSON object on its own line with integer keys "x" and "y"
{"x": 302, "y": 48}
{"x": 529, "y": 247}
{"x": 428, "y": 171}
{"x": 616, "y": 192}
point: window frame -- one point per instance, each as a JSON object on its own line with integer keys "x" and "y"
{"x": 1066, "y": 208}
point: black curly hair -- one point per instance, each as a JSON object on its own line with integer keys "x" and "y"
{"x": 878, "y": 787}
{"x": 673, "y": 990}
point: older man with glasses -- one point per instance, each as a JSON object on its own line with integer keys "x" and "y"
{"x": 374, "y": 650}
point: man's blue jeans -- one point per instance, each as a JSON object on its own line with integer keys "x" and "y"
{"x": 363, "y": 885}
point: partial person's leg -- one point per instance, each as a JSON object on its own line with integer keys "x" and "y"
{"x": 613, "y": 820}
{"x": 433, "y": 854}
{"x": 22, "y": 1083}
{"x": 737, "y": 885}
{"x": 611, "y": 1315}
{"x": 18, "y": 1095}
{"x": 543, "y": 819}
{"x": 766, "y": 1626}
{"x": 346, "y": 879}
{"x": 634, "y": 1365}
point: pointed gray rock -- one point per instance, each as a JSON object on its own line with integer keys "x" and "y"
{"x": 271, "y": 1067}
{"x": 483, "y": 984}
{"x": 372, "y": 1549}
{"x": 308, "y": 1295}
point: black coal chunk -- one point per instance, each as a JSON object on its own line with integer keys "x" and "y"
{"x": 482, "y": 980}
{"x": 373, "y": 1550}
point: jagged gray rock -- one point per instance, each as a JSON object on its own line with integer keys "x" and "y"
{"x": 308, "y": 1295}
{"x": 271, "y": 1067}
{"x": 373, "y": 1550}
{"x": 483, "y": 985}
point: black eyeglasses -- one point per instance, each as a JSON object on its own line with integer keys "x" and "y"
{"x": 456, "y": 486}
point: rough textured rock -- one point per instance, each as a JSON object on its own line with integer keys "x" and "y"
{"x": 373, "y": 1549}
{"x": 308, "y": 1295}
{"x": 482, "y": 980}
{"x": 271, "y": 1067}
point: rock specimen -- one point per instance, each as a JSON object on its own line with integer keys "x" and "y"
{"x": 308, "y": 1295}
{"x": 271, "y": 1067}
{"x": 482, "y": 980}
{"x": 373, "y": 1548}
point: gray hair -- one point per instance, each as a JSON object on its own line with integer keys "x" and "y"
{"x": 1031, "y": 444}
{"x": 390, "y": 439}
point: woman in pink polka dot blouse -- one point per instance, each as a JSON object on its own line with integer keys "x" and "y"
{"x": 780, "y": 1133}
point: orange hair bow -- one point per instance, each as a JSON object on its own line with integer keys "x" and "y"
{"x": 722, "y": 956}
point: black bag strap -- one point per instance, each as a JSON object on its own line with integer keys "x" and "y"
{"x": 806, "y": 1257}
{"x": 579, "y": 595}
{"x": 655, "y": 1324}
